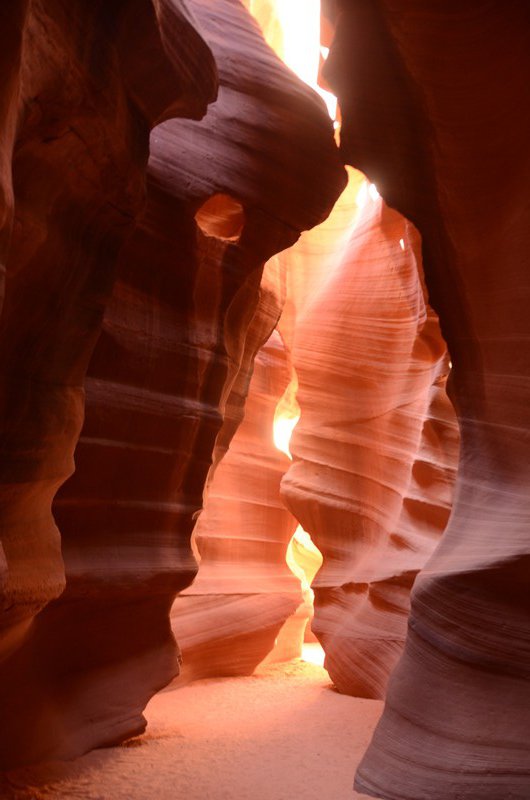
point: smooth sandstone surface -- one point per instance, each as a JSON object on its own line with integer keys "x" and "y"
{"x": 74, "y": 150}
{"x": 78, "y": 155}
{"x": 180, "y": 313}
{"x": 431, "y": 96}
{"x": 375, "y": 448}
{"x": 227, "y": 621}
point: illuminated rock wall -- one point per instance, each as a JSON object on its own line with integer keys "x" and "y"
{"x": 227, "y": 621}
{"x": 432, "y": 98}
{"x": 375, "y": 448}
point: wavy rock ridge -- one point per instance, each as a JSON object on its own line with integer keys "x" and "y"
{"x": 445, "y": 141}
{"x": 227, "y": 621}
{"x": 376, "y": 443}
{"x": 179, "y": 315}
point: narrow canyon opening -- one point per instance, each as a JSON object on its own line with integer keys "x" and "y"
{"x": 221, "y": 216}
{"x": 303, "y": 558}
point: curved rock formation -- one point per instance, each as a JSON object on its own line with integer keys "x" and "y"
{"x": 167, "y": 380}
{"x": 367, "y": 352}
{"x": 432, "y": 97}
{"x": 228, "y": 620}
{"x": 77, "y": 131}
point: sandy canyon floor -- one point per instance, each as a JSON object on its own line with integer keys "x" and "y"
{"x": 281, "y": 734}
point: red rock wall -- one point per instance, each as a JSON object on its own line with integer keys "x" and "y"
{"x": 434, "y": 99}
{"x": 78, "y": 107}
{"x": 184, "y": 319}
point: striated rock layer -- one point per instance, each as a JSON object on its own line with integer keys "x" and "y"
{"x": 73, "y": 155}
{"x": 433, "y": 97}
{"x": 167, "y": 380}
{"x": 228, "y": 620}
{"x": 375, "y": 446}
{"x": 77, "y": 106}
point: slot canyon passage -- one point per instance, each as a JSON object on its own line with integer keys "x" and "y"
{"x": 265, "y": 399}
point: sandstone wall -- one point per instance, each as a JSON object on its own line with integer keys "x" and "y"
{"x": 99, "y": 248}
{"x": 432, "y": 97}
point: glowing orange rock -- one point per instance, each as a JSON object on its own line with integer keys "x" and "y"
{"x": 227, "y": 621}
{"x": 375, "y": 447}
